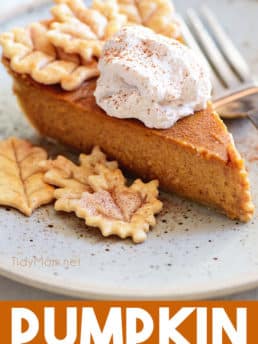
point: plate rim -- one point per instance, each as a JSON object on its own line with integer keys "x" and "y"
{"x": 59, "y": 286}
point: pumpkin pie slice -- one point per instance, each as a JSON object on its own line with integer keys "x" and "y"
{"x": 196, "y": 158}
{"x": 54, "y": 72}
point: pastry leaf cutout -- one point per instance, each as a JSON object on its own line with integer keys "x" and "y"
{"x": 21, "y": 178}
{"x": 70, "y": 179}
{"x": 96, "y": 191}
{"x": 117, "y": 209}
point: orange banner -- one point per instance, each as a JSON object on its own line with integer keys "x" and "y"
{"x": 129, "y": 322}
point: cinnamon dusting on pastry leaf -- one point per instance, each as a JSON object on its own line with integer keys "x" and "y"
{"x": 96, "y": 191}
{"x": 115, "y": 208}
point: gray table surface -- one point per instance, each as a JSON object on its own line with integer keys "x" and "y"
{"x": 245, "y": 36}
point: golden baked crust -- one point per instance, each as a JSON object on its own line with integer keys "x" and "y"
{"x": 97, "y": 191}
{"x": 22, "y": 184}
{"x": 65, "y": 49}
{"x": 196, "y": 158}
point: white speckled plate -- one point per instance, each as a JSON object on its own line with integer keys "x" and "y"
{"x": 192, "y": 253}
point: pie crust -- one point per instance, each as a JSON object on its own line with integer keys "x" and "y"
{"x": 65, "y": 49}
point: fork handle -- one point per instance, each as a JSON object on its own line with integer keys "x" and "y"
{"x": 233, "y": 96}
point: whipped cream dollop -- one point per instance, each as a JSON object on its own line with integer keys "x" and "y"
{"x": 152, "y": 78}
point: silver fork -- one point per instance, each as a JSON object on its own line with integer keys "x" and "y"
{"x": 231, "y": 77}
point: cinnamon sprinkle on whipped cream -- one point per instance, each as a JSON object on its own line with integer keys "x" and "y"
{"x": 152, "y": 78}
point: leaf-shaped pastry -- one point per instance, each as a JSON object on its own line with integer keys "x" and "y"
{"x": 96, "y": 191}
{"x": 72, "y": 180}
{"x": 115, "y": 208}
{"x": 21, "y": 177}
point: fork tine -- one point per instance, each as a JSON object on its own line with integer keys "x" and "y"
{"x": 192, "y": 43}
{"x": 227, "y": 46}
{"x": 212, "y": 51}
{"x": 253, "y": 116}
